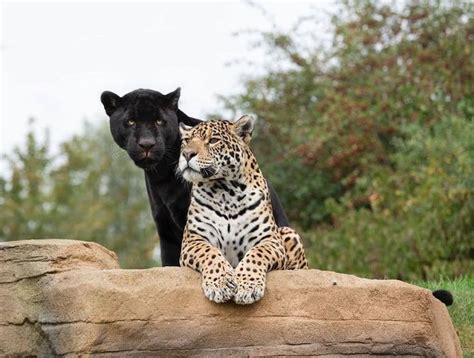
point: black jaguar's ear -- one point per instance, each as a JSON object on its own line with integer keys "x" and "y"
{"x": 244, "y": 127}
{"x": 183, "y": 128}
{"x": 173, "y": 97}
{"x": 189, "y": 121}
{"x": 110, "y": 101}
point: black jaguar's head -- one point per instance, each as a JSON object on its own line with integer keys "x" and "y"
{"x": 145, "y": 124}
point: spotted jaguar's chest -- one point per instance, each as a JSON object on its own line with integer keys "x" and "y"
{"x": 230, "y": 219}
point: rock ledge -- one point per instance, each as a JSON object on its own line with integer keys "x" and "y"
{"x": 62, "y": 297}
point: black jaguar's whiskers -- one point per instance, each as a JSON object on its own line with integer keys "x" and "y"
{"x": 152, "y": 168}
{"x": 179, "y": 175}
{"x": 117, "y": 153}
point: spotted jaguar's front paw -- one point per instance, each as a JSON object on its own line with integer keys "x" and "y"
{"x": 220, "y": 287}
{"x": 249, "y": 292}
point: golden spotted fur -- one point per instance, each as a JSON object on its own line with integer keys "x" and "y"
{"x": 231, "y": 236}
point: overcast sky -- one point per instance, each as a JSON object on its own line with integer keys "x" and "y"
{"x": 57, "y": 58}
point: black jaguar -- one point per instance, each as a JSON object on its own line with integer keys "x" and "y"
{"x": 145, "y": 124}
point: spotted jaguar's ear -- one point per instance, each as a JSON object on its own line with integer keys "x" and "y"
{"x": 184, "y": 129}
{"x": 111, "y": 102}
{"x": 172, "y": 98}
{"x": 244, "y": 127}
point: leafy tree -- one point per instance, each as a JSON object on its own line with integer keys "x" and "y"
{"x": 421, "y": 218}
{"x": 335, "y": 112}
{"x": 335, "y": 122}
{"x": 88, "y": 191}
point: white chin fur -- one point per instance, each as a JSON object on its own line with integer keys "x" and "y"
{"x": 182, "y": 164}
{"x": 185, "y": 169}
{"x": 191, "y": 175}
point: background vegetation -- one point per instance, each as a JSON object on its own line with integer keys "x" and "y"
{"x": 368, "y": 139}
{"x": 89, "y": 190}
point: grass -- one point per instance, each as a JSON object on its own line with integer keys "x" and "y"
{"x": 462, "y": 310}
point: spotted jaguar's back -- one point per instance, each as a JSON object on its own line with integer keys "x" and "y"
{"x": 231, "y": 236}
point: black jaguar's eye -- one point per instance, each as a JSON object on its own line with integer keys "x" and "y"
{"x": 213, "y": 140}
{"x": 130, "y": 123}
{"x": 159, "y": 122}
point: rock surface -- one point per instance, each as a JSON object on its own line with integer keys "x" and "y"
{"x": 61, "y": 297}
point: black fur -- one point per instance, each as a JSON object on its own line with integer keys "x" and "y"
{"x": 444, "y": 296}
{"x": 152, "y": 141}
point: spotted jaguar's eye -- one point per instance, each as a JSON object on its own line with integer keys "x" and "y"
{"x": 159, "y": 122}
{"x": 213, "y": 140}
{"x": 131, "y": 123}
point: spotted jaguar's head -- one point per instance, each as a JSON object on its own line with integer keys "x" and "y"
{"x": 214, "y": 149}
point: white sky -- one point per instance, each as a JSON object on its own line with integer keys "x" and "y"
{"x": 57, "y": 58}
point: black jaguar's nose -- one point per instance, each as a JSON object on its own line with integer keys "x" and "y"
{"x": 188, "y": 154}
{"x": 146, "y": 144}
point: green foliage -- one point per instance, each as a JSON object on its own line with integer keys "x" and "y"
{"x": 421, "y": 216}
{"x": 88, "y": 191}
{"x": 369, "y": 141}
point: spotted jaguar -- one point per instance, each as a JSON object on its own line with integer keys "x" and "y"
{"x": 231, "y": 237}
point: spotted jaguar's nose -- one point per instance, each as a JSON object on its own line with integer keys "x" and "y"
{"x": 188, "y": 154}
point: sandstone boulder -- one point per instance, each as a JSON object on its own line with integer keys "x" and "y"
{"x": 69, "y": 298}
